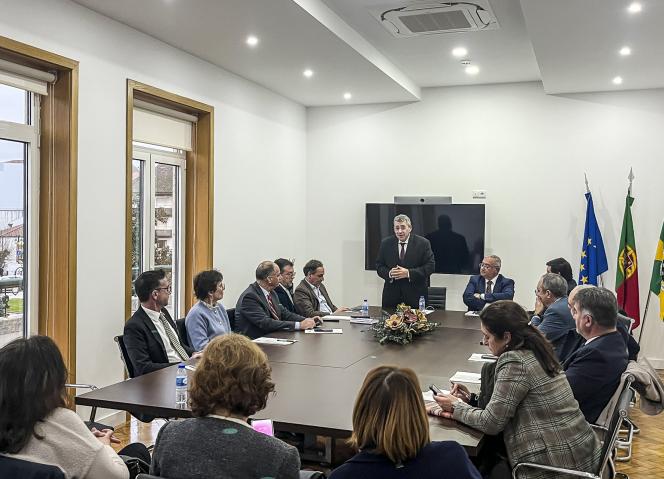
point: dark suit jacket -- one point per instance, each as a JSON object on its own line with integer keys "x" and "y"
{"x": 594, "y": 372}
{"x": 284, "y": 299}
{"x": 252, "y": 314}
{"x": 502, "y": 288}
{"x": 419, "y": 261}
{"x": 145, "y": 348}
{"x": 306, "y": 302}
{"x": 555, "y": 324}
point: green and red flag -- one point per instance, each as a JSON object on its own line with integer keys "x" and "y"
{"x": 657, "y": 280}
{"x": 627, "y": 277}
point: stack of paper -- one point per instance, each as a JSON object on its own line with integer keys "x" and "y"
{"x": 363, "y": 321}
{"x": 324, "y": 331}
{"x": 277, "y": 341}
{"x": 483, "y": 358}
{"x": 464, "y": 377}
{"x": 473, "y": 314}
{"x": 336, "y": 316}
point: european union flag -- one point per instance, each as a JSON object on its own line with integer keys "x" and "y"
{"x": 593, "y": 257}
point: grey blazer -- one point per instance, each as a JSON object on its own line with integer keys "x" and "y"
{"x": 306, "y": 302}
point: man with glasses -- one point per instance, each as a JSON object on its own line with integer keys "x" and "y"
{"x": 258, "y": 311}
{"x": 285, "y": 289}
{"x": 150, "y": 335}
{"x": 488, "y": 286}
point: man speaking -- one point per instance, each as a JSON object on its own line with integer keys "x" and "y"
{"x": 405, "y": 261}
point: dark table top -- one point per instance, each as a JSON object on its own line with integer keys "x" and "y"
{"x": 318, "y": 377}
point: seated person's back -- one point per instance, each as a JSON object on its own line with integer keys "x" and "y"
{"x": 232, "y": 382}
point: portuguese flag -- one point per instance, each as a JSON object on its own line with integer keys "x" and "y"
{"x": 627, "y": 277}
{"x": 657, "y": 281}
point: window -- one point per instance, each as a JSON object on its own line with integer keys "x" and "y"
{"x": 19, "y": 160}
{"x": 157, "y": 217}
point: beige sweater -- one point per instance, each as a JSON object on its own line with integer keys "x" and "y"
{"x": 68, "y": 444}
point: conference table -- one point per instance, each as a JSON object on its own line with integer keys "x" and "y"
{"x": 318, "y": 376}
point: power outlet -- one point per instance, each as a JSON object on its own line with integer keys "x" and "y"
{"x": 479, "y": 194}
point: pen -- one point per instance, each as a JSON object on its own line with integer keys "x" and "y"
{"x": 463, "y": 393}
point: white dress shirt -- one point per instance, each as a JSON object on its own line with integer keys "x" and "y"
{"x": 322, "y": 302}
{"x": 172, "y": 355}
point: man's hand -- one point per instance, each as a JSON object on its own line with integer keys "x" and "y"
{"x": 399, "y": 272}
{"x": 477, "y": 296}
{"x": 539, "y": 307}
{"x": 308, "y": 323}
{"x": 343, "y": 309}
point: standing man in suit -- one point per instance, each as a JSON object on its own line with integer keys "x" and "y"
{"x": 405, "y": 261}
{"x": 258, "y": 311}
{"x": 594, "y": 370}
{"x": 488, "y": 286}
{"x": 311, "y": 297}
{"x": 150, "y": 335}
{"x": 285, "y": 289}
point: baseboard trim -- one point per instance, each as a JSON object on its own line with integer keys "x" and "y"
{"x": 657, "y": 363}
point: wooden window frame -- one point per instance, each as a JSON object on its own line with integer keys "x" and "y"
{"x": 199, "y": 189}
{"x": 58, "y": 195}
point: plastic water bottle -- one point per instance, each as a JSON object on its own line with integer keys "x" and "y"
{"x": 423, "y": 304}
{"x": 181, "y": 386}
{"x": 365, "y": 307}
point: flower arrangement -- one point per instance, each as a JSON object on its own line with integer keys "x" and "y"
{"x": 403, "y": 326}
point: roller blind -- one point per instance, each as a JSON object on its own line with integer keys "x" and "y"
{"x": 25, "y": 78}
{"x": 164, "y": 127}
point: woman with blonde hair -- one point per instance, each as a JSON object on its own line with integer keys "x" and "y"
{"x": 391, "y": 432}
{"x": 232, "y": 381}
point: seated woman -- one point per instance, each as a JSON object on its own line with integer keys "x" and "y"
{"x": 232, "y": 382}
{"x": 207, "y": 318}
{"x": 391, "y": 431}
{"x": 532, "y": 403}
{"x": 35, "y": 425}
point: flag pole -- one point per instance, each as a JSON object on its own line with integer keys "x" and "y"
{"x": 630, "y": 178}
{"x": 587, "y": 187}
{"x": 643, "y": 321}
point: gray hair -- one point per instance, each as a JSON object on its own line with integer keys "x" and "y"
{"x": 555, "y": 283}
{"x": 403, "y": 219}
{"x": 265, "y": 269}
{"x": 600, "y": 304}
{"x": 499, "y": 263}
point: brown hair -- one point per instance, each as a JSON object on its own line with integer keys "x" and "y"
{"x": 233, "y": 375}
{"x": 389, "y": 416}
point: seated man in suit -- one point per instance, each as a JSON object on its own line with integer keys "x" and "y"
{"x": 285, "y": 289}
{"x": 311, "y": 298}
{"x": 150, "y": 335}
{"x": 594, "y": 370}
{"x": 556, "y": 323}
{"x": 488, "y": 286}
{"x": 258, "y": 310}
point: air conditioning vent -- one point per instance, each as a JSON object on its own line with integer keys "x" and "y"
{"x": 427, "y": 18}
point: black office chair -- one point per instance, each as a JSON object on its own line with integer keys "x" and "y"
{"x": 182, "y": 332}
{"x": 437, "y": 297}
{"x": 124, "y": 355}
{"x": 10, "y": 467}
{"x": 231, "y": 317}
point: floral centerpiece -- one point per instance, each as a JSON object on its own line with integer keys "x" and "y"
{"x": 403, "y": 326}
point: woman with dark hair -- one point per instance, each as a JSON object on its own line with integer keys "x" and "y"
{"x": 391, "y": 432}
{"x": 35, "y": 424}
{"x": 532, "y": 402}
{"x": 232, "y": 381}
{"x": 562, "y": 267}
{"x": 207, "y": 318}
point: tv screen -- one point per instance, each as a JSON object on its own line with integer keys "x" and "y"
{"x": 456, "y": 233}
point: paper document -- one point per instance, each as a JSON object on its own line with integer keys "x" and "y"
{"x": 324, "y": 331}
{"x": 464, "y": 377}
{"x": 473, "y": 314}
{"x": 277, "y": 341}
{"x": 483, "y": 358}
{"x": 336, "y": 316}
{"x": 428, "y": 395}
{"x": 363, "y": 321}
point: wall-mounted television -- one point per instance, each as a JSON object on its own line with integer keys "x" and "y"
{"x": 456, "y": 233}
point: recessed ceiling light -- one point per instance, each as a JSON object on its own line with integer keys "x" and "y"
{"x": 459, "y": 52}
{"x": 617, "y": 81}
{"x": 347, "y": 96}
{"x": 252, "y": 41}
{"x": 624, "y": 51}
{"x": 472, "y": 69}
{"x": 634, "y": 7}
{"x": 308, "y": 73}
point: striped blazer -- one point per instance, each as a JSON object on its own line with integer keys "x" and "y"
{"x": 540, "y": 419}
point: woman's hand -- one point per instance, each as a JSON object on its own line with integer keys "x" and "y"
{"x": 446, "y": 401}
{"x": 460, "y": 391}
{"x": 105, "y": 436}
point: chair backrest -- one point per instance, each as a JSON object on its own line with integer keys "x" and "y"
{"x": 11, "y": 467}
{"x": 437, "y": 297}
{"x": 619, "y": 413}
{"x": 148, "y": 476}
{"x": 231, "y": 317}
{"x": 124, "y": 355}
{"x": 182, "y": 332}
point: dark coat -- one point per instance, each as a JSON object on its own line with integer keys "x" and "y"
{"x": 284, "y": 299}
{"x": 252, "y": 314}
{"x": 502, "y": 288}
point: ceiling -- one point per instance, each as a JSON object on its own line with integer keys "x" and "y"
{"x": 570, "y": 45}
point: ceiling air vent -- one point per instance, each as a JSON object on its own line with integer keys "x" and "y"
{"x": 427, "y": 18}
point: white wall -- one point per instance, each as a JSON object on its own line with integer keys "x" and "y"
{"x": 259, "y": 136}
{"x": 528, "y": 150}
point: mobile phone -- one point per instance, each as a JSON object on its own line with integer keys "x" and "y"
{"x": 263, "y": 426}
{"x": 435, "y": 390}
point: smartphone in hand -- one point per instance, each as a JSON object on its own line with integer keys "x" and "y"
{"x": 435, "y": 390}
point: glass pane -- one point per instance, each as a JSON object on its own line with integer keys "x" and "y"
{"x": 13, "y": 104}
{"x": 137, "y": 224}
{"x": 166, "y": 226}
{"x": 12, "y": 240}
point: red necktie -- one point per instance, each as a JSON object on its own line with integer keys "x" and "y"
{"x": 271, "y": 307}
{"x": 402, "y": 253}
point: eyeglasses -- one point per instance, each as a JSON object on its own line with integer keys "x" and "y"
{"x": 487, "y": 265}
{"x": 292, "y": 273}
{"x": 166, "y": 288}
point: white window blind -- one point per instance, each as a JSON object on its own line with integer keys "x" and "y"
{"x": 158, "y": 125}
{"x": 25, "y": 78}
